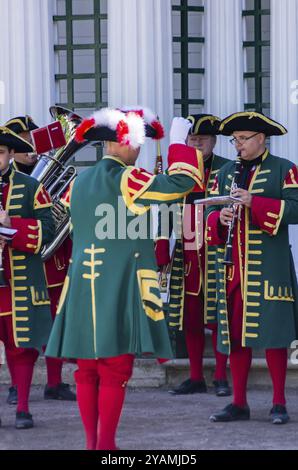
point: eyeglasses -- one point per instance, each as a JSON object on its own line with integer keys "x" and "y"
{"x": 242, "y": 140}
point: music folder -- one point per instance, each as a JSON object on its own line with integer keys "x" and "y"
{"x": 48, "y": 138}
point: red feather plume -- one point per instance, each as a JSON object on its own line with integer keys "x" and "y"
{"x": 160, "y": 133}
{"x": 84, "y": 127}
{"x": 122, "y": 133}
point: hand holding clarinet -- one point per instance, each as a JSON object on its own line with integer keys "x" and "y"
{"x": 228, "y": 215}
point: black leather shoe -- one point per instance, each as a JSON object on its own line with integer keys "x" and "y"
{"x": 23, "y": 420}
{"x": 279, "y": 415}
{"x": 189, "y": 387}
{"x": 221, "y": 388}
{"x": 60, "y": 392}
{"x": 12, "y": 398}
{"x": 231, "y": 413}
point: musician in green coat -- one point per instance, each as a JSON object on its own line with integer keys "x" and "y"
{"x": 25, "y": 318}
{"x": 256, "y": 300}
{"x": 110, "y": 308}
{"x": 189, "y": 294}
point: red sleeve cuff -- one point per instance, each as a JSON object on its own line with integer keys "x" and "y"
{"x": 216, "y": 234}
{"x": 29, "y": 235}
{"x": 266, "y": 213}
{"x": 162, "y": 252}
{"x": 185, "y": 160}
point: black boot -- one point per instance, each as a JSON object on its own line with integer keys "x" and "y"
{"x": 221, "y": 388}
{"x": 231, "y": 413}
{"x": 12, "y": 398}
{"x": 189, "y": 387}
{"x": 279, "y": 414}
{"x": 23, "y": 420}
{"x": 60, "y": 392}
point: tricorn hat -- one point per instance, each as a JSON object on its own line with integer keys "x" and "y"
{"x": 21, "y": 124}
{"x": 204, "y": 124}
{"x": 251, "y": 121}
{"x": 128, "y": 126}
{"x": 13, "y": 141}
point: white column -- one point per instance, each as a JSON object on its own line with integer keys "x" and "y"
{"x": 140, "y": 69}
{"x": 284, "y": 75}
{"x": 27, "y": 59}
{"x": 224, "y": 63}
{"x": 284, "y": 84}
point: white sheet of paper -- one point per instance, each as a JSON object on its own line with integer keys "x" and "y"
{"x": 7, "y": 233}
{"x": 219, "y": 201}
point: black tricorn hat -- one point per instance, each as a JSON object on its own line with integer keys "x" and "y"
{"x": 251, "y": 121}
{"x": 21, "y": 124}
{"x": 204, "y": 124}
{"x": 11, "y": 140}
{"x": 128, "y": 126}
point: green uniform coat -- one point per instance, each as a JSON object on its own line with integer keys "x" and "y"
{"x": 111, "y": 304}
{"x": 29, "y": 207}
{"x": 269, "y": 290}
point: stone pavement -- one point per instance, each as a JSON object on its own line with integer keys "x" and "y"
{"x": 154, "y": 420}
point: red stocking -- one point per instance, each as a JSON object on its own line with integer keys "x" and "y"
{"x": 110, "y": 404}
{"x": 220, "y": 359}
{"x": 23, "y": 370}
{"x": 240, "y": 362}
{"x": 87, "y": 397}
{"x": 277, "y": 360}
{"x": 195, "y": 334}
{"x": 54, "y": 371}
{"x": 10, "y": 365}
{"x": 114, "y": 374}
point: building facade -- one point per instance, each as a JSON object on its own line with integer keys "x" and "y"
{"x": 175, "y": 56}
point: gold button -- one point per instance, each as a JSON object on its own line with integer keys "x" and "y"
{"x": 137, "y": 255}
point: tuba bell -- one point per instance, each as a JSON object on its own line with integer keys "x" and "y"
{"x": 55, "y": 173}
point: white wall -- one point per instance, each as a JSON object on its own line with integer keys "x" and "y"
{"x": 27, "y": 57}
{"x": 284, "y": 104}
{"x": 83, "y": 60}
{"x": 140, "y": 61}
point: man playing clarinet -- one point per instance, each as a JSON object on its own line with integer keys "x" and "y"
{"x": 257, "y": 290}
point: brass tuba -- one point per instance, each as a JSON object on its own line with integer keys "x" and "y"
{"x": 54, "y": 172}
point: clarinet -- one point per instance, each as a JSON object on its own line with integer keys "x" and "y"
{"x": 2, "y": 278}
{"x": 228, "y": 259}
{"x": 158, "y": 170}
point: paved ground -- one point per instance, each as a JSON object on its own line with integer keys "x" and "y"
{"x": 154, "y": 420}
